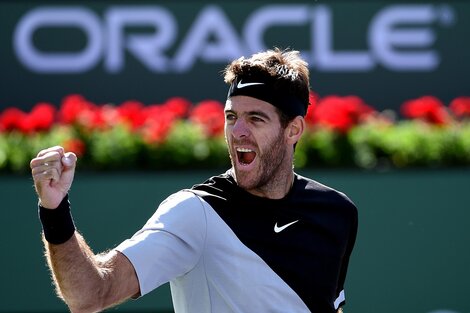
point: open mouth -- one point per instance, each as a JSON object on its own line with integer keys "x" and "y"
{"x": 245, "y": 156}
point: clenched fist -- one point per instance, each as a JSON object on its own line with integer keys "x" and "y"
{"x": 53, "y": 170}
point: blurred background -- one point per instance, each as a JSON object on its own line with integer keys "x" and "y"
{"x": 383, "y": 51}
{"x": 135, "y": 89}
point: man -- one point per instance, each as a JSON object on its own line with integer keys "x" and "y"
{"x": 258, "y": 238}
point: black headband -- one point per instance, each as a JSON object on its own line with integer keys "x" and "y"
{"x": 263, "y": 89}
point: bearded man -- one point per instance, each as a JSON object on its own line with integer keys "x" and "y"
{"x": 257, "y": 238}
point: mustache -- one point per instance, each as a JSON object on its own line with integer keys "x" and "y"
{"x": 243, "y": 142}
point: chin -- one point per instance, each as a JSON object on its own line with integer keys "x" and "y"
{"x": 246, "y": 179}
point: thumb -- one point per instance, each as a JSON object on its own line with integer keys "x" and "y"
{"x": 69, "y": 160}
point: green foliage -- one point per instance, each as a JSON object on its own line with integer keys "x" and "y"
{"x": 410, "y": 144}
{"x": 187, "y": 146}
{"x": 372, "y": 144}
{"x": 17, "y": 149}
{"x": 116, "y": 147}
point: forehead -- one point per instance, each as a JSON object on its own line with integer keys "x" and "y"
{"x": 241, "y": 104}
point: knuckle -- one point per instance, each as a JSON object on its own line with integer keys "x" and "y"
{"x": 55, "y": 149}
{"x": 32, "y": 164}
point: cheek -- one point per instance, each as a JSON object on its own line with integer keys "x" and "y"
{"x": 228, "y": 127}
{"x": 227, "y": 134}
{"x": 272, "y": 141}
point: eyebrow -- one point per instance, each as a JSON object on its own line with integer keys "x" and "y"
{"x": 251, "y": 113}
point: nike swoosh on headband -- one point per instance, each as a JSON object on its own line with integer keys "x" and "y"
{"x": 242, "y": 85}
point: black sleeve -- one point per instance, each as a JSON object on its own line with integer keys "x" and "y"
{"x": 347, "y": 254}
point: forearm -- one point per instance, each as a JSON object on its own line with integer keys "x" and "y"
{"x": 78, "y": 277}
{"x": 87, "y": 282}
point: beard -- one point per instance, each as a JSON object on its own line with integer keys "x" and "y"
{"x": 271, "y": 170}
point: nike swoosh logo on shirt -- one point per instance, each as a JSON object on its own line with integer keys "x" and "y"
{"x": 242, "y": 85}
{"x": 278, "y": 229}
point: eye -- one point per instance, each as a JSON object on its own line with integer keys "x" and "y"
{"x": 257, "y": 119}
{"x": 230, "y": 117}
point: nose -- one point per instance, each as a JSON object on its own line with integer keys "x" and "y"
{"x": 240, "y": 129}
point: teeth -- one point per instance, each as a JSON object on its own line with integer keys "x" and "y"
{"x": 244, "y": 150}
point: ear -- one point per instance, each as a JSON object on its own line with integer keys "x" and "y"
{"x": 295, "y": 129}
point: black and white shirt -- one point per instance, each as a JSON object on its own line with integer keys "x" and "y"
{"x": 225, "y": 250}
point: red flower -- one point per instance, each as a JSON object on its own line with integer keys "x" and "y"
{"x": 341, "y": 113}
{"x": 178, "y": 106}
{"x": 105, "y": 116}
{"x": 11, "y": 119}
{"x": 94, "y": 117}
{"x": 427, "y": 108}
{"x": 132, "y": 113}
{"x": 158, "y": 122}
{"x": 157, "y": 132}
{"x": 71, "y": 108}
{"x": 75, "y": 109}
{"x": 42, "y": 117}
{"x": 76, "y": 146}
{"x": 210, "y": 115}
{"x": 461, "y": 107}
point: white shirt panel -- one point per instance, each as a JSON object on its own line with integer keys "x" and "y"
{"x": 170, "y": 243}
{"x": 222, "y": 276}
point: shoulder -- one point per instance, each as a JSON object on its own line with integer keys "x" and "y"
{"x": 312, "y": 190}
{"x": 217, "y": 183}
{"x": 179, "y": 206}
{"x": 327, "y": 206}
{"x": 182, "y": 198}
{"x": 217, "y": 188}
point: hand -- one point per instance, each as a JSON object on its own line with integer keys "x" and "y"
{"x": 53, "y": 172}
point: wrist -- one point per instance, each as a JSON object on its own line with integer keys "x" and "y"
{"x": 57, "y": 224}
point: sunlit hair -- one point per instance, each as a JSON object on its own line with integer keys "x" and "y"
{"x": 286, "y": 66}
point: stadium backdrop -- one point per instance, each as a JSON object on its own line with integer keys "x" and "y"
{"x": 412, "y": 253}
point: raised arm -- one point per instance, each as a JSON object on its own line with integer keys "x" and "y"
{"x": 89, "y": 282}
{"x": 85, "y": 281}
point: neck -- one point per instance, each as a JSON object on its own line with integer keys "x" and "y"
{"x": 276, "y": 188}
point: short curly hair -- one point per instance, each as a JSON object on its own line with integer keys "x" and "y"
{"x": 286, "y": 68}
